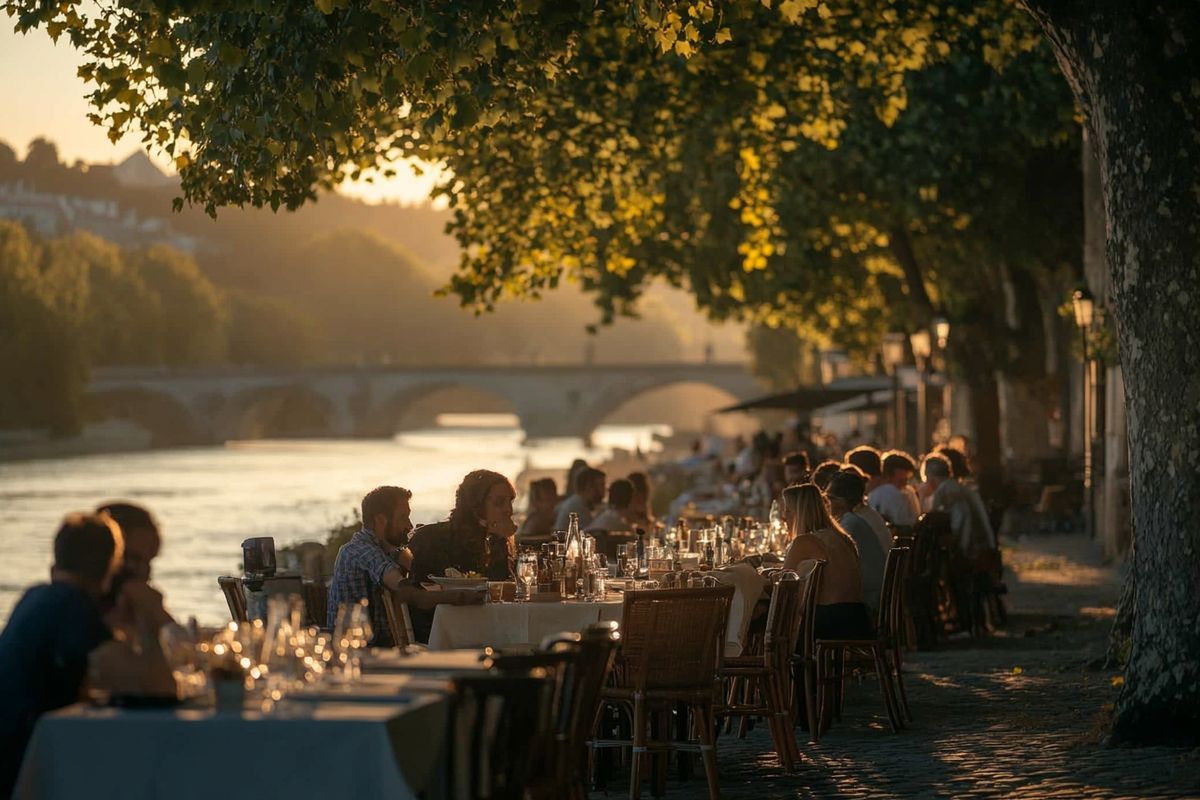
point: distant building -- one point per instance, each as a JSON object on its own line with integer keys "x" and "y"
{"x": 57, "y": 215}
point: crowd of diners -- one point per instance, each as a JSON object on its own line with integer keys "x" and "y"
{"x": 97, "y": 621}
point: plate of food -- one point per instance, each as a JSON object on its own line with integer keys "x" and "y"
{"x": 453, "y": 579}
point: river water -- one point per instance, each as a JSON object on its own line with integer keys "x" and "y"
{"x": 208, "y": 500}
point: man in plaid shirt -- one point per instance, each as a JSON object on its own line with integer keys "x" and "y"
{"x": 375, "y": 559}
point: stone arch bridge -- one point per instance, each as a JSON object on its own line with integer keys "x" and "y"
{"x": 205, "y": 406}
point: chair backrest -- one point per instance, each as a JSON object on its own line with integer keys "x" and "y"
{"x": 595, "y": 651}
{"x": 499, "y": 726}
{"x": 888, "y": 620}
{"x": 783, "y": 617}
{"x": 810, "y": 571}
{"x": 316, "y": 601}
{"x": 235, "y": 598}
{"x": 674, "y": 638}
{"x": 398, "y": 619}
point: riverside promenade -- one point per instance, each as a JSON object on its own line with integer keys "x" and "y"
{"x": 1017, "y": 715}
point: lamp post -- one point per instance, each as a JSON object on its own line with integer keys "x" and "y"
{"x": 941, "y": 332}
{"x": 892, "y": 352}
{"x": 922, "y": 347}
{"x": 1084, "y": 306}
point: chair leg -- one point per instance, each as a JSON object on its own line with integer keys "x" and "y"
{"x": 734, "y": 685}
{"x": 639, "y": 747}
{"x": 825, "y": 684}
{"x": 885, "y": 686}
{"x": 896, "y": 662}
{"x": 782, "y": 725}
{"x": 810, "y": 702}
{"x": 708, "y": 750}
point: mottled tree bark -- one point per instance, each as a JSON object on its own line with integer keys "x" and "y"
{"x": 1135, "y": 67}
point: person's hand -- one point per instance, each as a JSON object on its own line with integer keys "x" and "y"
{"x": 142, "y": 604}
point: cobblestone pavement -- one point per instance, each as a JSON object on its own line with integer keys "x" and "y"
{"x": 1018, "y": 715}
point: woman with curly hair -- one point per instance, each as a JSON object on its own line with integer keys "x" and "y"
{"x": 477, "y": 538}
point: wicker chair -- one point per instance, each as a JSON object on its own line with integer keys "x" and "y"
{"x": 399, "y": 620}
{"x": 499, "y": 725}
{"x": 766, "y": 674}
{"x": 672, "y": 649}
{"x": 235, "y": 597}
{"x": 834, "y": 655}
{"x": 804, "y": 662}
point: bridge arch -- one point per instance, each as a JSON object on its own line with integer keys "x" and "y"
{"x": 168, "y": 421}
{"x": 410, "y": 406}
{"x": 277, "y": 412}
{"x": 609, "y": 403}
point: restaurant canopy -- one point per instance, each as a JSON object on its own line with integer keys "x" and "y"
{"x": 803, "y": 398}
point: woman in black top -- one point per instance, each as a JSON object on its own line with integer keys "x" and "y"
{"x": 478, "y": 537}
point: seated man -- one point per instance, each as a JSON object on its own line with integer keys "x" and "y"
{"x": 846, "y": 493}
{"x": 539, "y": 522}
{"x": 375, "y": 559}
{"x": 617, "y": 519}
{"x": 44, "y": 648}
{"x": 131, "y": 596}
{"x": 894, "y": 499}
{"x": 588, "y": 492}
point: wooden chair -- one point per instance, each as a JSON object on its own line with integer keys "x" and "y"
{"x": 235, "y": 597}
{"x": 316, "y": 601}
{"x": 399, "y": 620}
{"x": 804, "y": 662}
{"x": 499, "y": 725}
{"x": 766, "y": 674}
{"x": 671, "y": 654}
{"x": 834, "y": 655}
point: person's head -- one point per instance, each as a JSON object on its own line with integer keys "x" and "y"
{"x": 846, "y": 491}
{"x": 620, "y": 494}
{"x": 795, "y": 467}
{"x": 825, "y": 472}
{"x": 139, "y": 530}
{"x": 935, "y": 468}
{"x": 543, "y": 494}
{"x": 805, "y": 509}
{"x": 484, "y": 502}
{"x": 898, "y": 468}
{"x": 959, "y": 466}
{"x": 867, "y": 459}
{"x": 385, "y": 513}
{"x": 88, "y": 550}
{"x": 590, "y": 485}
{"x": 641, "y": 489}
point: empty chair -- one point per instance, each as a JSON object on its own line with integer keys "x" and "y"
{"x": 671, "y": 654}
{"x": 235, "y": 597}
{"x": 399, "y": 620}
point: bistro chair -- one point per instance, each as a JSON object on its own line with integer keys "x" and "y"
{"x": 834, "y": 655}
{"x": 764, "y": 677}
{"x": 399, "y": 620}
{"x": 671, "y": 654}
{"x": 804, "y": 662}
{"x": 316, "y": 601}
{"x": 499, "y": 726}
{"x": 235, "y": 597}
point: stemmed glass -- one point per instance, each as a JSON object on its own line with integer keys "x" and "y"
{"x": 526, "y": 575}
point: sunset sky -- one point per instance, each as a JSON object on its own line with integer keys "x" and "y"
{"x": 40, "y": 95}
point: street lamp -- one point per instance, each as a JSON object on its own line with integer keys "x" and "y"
{"x": 941, "y": 327}
{"x": 922, "y": 347}
{"x": 1084, "y": 306}
{"x": 892, "y": 352}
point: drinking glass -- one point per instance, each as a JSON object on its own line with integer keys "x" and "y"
{"x": 526, "y": 575}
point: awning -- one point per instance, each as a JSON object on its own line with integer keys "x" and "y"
{"x": 803, "y": 398}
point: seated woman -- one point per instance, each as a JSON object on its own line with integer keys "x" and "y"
{"x": 478, "y": 537}
{"x": 841, "y": 613}
{"x": 539, "y": 524}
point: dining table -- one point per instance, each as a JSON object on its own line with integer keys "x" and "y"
{"x": 379, "y": 735}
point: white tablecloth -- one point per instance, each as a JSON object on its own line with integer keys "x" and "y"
{"x": 513, "y": 624}
{"x": 317, "y": 750}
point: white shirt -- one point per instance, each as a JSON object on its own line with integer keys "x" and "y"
{"x": 898, "y": 506}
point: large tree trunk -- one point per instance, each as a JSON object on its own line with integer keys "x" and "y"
{"x": 1135, "y": 67}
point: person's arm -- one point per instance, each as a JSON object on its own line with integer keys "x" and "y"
{"x": 416, "y": 597}
{"x": 382, "y": 570}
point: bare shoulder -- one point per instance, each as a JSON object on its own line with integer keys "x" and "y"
{"x": 804, "y": 547}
